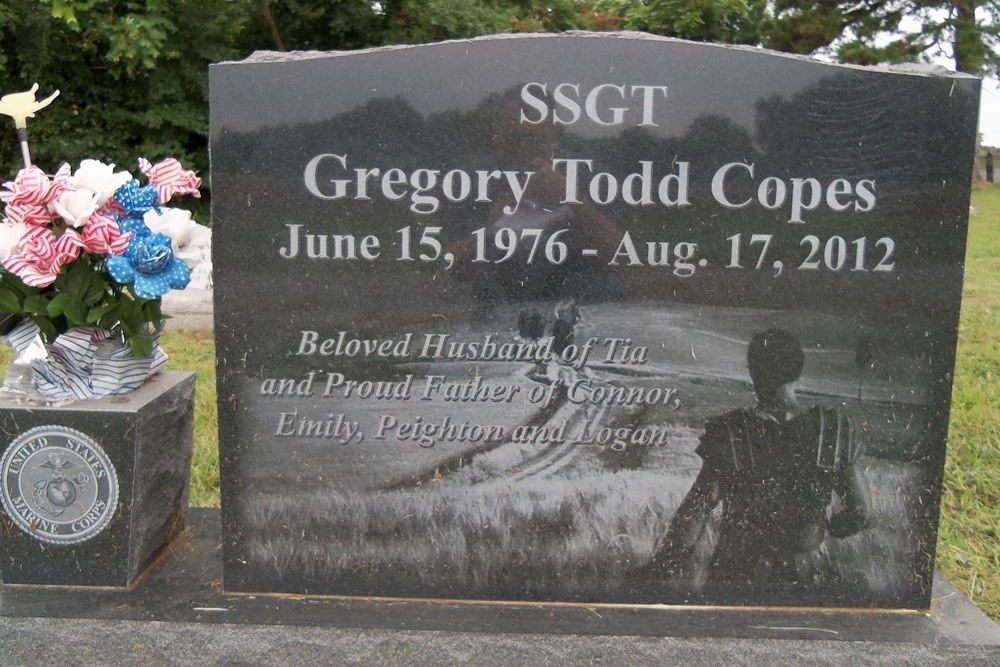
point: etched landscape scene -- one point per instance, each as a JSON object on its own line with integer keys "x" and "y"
{"x": 556, "y": 510}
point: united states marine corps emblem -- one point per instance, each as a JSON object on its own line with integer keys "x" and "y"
{"x": 58, "y": 485}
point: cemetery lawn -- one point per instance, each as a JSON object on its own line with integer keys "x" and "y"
{"x": 195, "y": 351}
{"x": 968, "y": 547}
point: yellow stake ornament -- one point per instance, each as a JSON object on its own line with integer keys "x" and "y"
{"x": 21, "y": 107}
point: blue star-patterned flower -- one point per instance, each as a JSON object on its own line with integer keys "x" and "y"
{"x": 136, "y": 226}
{"x": 136, "y": 199}
{"x": 149, "y": 264}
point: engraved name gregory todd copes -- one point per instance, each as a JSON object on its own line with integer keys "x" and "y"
{"x": 336, "y": 177}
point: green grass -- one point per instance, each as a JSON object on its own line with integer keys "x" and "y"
{"x": 195, "y": 351}
{"x": 968, "y": 550}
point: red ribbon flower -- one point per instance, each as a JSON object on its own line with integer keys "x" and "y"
{"x": 170, "y": 178}
{"x": 35, "y": 215}
{"x": 42, "y": 255}
{"x": 31, "y": 187}
{"x": 102, "y": 236}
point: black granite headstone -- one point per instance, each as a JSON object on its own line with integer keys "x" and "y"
{"x": 586, "y": 318}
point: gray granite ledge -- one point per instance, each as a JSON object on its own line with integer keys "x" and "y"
{"x": 35, "y": 641}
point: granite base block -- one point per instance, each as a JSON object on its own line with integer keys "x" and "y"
{"x": 93, "y": 490}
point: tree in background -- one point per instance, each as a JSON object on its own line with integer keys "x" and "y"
{"x": 879, "y": 31}
{"x": 349, "y": 24}
{"x": 302, "y": 25}
{"x": 725, "y": 21}
{"x": 332, "y": 24}
{"x": 133, "y": 77}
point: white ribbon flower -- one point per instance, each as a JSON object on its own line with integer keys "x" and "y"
{"x": 191, "y": 242}
{"x": 10, "y": 237}
{"x": 75, "y": 206}
{"x": 99, "y": 178}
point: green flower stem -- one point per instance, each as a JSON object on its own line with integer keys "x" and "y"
{"x": 84, "y": 295}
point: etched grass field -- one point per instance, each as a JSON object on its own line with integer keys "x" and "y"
{"x": 585, "y": 539}
{"x": 527, "y": 541}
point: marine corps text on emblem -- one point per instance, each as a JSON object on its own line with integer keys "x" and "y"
{"x": 58, "y": 485}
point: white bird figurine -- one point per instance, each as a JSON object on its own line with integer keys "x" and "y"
{"x": 21, "y": 107}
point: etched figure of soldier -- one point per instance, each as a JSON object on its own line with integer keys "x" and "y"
{"x": 766, "y": 491}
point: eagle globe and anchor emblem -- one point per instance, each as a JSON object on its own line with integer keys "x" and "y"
{"x": 58, "y": 485}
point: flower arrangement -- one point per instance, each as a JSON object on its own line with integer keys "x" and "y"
{"x": 94, "y": 248}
